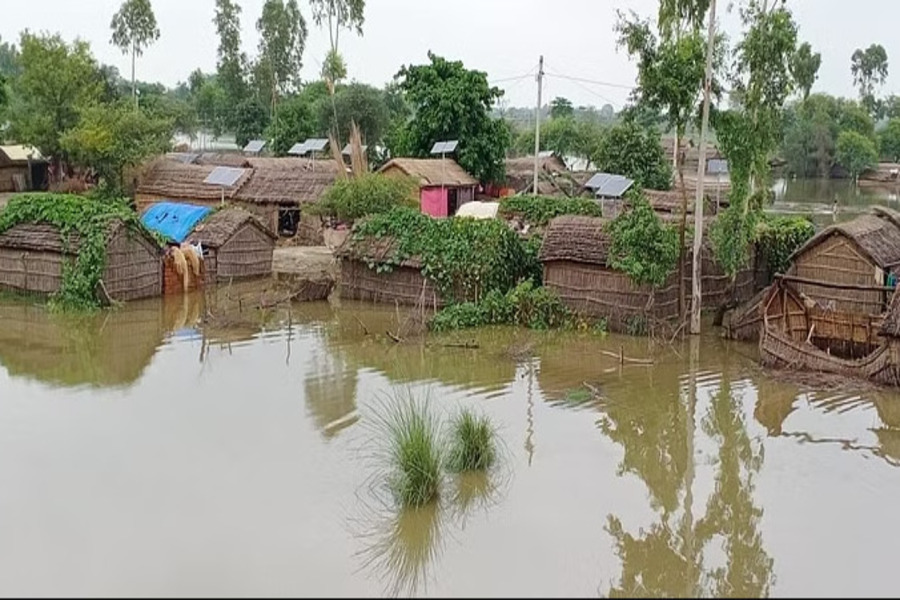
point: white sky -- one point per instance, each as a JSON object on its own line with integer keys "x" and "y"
{"x": 502, "y": 37}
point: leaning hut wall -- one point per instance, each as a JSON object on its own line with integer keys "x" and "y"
{"x": 237, "y": 244}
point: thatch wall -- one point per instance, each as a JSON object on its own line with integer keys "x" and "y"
{"x": 239, "y": 246}
{"x": 575, "y": 253}
{"x": 32, "y": 257}
{"x": 403, "y": 285}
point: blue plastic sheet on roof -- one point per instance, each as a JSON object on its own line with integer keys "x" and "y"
{"x": 174, "y": 221}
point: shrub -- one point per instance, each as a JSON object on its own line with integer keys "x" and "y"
{"x": 539, "y": 210}
{"x": 413, "y": 453}
{"x": 779, "y": 237}
{"x": 87, "y": 218}
{"x": 472, "y": 445}
{"x": 368, "y": 194}
{"x": 641, "y": 244}
{"x": 636, "y": 152}
{"x": 464, "y": 258}
{"x": 524, "y": 305}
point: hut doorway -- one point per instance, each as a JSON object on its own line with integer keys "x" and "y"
{"x": 452, "y": 201}
{"x": 288, "y": 221}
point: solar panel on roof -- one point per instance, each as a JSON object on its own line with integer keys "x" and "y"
{"x": 347, "y": 149}
{"x": 717, "y": 166}
{"x": 444, "y": 147}
{"x": 315, "y": 144}
{"x": 254, "y": 146}
{"x": 298, "y": 150}
{"x": 224, "y": 176}
{"x": 615, "y": 186}
{"x": 596, "y": 181}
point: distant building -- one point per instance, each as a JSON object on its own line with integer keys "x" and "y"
{"x": 22, "y": 169}
{"x": 444, "y": 186}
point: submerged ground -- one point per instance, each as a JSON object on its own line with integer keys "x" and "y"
{"x": 182, "y": 446}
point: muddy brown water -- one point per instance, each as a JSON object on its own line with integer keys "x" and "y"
{"x": 158, "y": 450}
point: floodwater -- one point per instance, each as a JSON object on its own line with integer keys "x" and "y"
{"x": 181, "y": 448}
{"x": 819, "y": 198}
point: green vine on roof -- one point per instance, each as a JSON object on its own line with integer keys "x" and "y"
{"x": 86, "y": 218}
{"x": 464, "y": 258}
{"x": 539, "y": 210}
{"x": 641, "y": 244}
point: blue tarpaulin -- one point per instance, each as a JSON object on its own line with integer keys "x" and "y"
{"x": 174, "y": 221}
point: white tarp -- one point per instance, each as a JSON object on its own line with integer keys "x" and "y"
{"x": 479, "y": 210}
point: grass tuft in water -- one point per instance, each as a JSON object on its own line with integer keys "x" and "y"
{"x": 414, "y": 455}
{"x": 472, "y": 445}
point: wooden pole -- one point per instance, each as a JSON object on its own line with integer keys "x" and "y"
{"x": 537, "y": 123}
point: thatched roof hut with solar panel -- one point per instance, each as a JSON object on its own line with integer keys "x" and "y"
{"x": 444, "y": 186}
{"x": 272, "y": 189}
{"x": 575, "y": 256}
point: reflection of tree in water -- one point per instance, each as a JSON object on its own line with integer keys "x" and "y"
{"x": 667, "y": 558}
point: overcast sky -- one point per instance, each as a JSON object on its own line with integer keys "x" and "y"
{"x": 502, "y": 37}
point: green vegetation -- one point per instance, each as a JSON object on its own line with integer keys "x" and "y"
{"x": 889, "y": 140}
{"x": 779, "y": 237}
{"x": 539, "y": 210}
{"x": 356, "y": 197}
{"x": 133, "y": 29}
{"x": 634, "y": 151}
{"x": 413, "y": 452}
{"x": 472, "y": 445}
{"x": 567, "y": 133}
{"x": 641, "y": 244}
{"x": 464, "y": 258}
{"x": 73, "y": 215}
{"x": 451, "y": 102}
{"x": 855, "y": 152}
{"x": 805, "y": 68}
{"x": 524, "y": 305}
{"x": 869, "y": 68}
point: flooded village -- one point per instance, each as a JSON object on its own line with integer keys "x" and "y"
{"x": 270, "y": 335}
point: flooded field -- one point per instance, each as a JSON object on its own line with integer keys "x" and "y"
{"x": 173, "y": 447}
{"x": 819, "y": 198}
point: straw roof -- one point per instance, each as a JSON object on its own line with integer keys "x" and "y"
{"x": 20, "y": 153}
{"x": 285, "y": 184}
{"x": 222, "y": 159}
{"x": 292, "y": 163}
{"x": 876, "y": 234}
{"x": 432, "y": 171}
{"x": 220, "y": 226}
{"x": 43, "y": 237}
{"x": 171, "y": 179}
{"x": 578, "y": 239}
{"x": 372, "y": 250}
{"x": 524, "y": 165}
{"x": 891, "y": 325}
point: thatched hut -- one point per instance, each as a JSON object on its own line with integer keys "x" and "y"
{"x": 169, "y": 180}
{"x": 575, "y": 257}
{"x": 32, "y": 257}
{"x": 22, "y": 168}
{"x": 236, "y": 245}
{"x": 844, "y": 267}
{"x": 520, "y": 174}
{"x": 443, "y": 185}
{"x": 362, "y": 280}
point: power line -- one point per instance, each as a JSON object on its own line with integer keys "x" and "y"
{"x": 583, "y": 87}
{"x": 594, "y": 81}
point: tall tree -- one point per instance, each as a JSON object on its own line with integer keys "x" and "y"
{"x": 805, "y": 68}
{"x": 232, "y": 63}
{"x": 56, "y": 82}
{"x": 561, "y": 108}
{"x": 133, "y": 29}
{"x": 282, "y": 31}
{"x": 337, "y": 15}
{"x": 855, "y": 152}
{"x": 9, "y": 59}
{"x": 869, "y": 68}
{"x": 450, "y": 102}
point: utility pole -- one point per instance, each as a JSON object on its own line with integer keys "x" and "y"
{"x": 537, "y": 124}
{"x": 697, "y": 295}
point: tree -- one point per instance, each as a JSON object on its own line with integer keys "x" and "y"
{"x": 9, "y": 60}
{"x": 337, "y": 15}
{"x": 232, "y": 63}
{"x": 805, "y": 68}
{"x": 359, "y": 103}
{"x": 855, "y": 152}
{"x": 450, "y": 102}
{"x": 889, "y": 139}
{"x": 251, "y": 121}
{"x": 56, "y": 82}
{"x": 210, "y": 102}
{"x": 294, "y": 123}
{"x": 112, "y": 139}
{"x": 133, "y": 29}
{"x": 869, "y": 68}
{"x": 635, "y": 152}
{"x": 561, "y": 108}
{"x": 282, "y": 31}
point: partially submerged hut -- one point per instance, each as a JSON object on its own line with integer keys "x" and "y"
{"x": 401, "y": 284}
{"x": 520, "y": 173}
{"x": 575, "y": 256}
{"x": 22, "y": 169}
{"x": 444, "y": 186}
{"x": 236, "y": 245}
{"x": 32, "y": 256}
